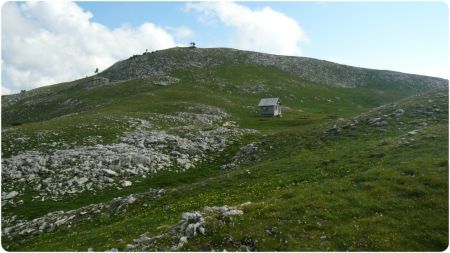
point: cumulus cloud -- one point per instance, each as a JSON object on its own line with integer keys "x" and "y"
{"x": 264, "y": 30}
{"x": 181, "y": 32}
{"x": 51, "y": 42}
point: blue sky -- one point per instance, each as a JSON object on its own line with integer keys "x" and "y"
{"x": 409, "y": 37}
{"x": 403, "y": 36}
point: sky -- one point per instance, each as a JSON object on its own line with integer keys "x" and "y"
{"x": 43, "y": 43}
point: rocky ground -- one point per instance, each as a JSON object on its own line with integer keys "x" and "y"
{"x": 14, "y": 226}
{"x": 421, "y": 111}
{"x": 140, "y": 152}
{"x": 191, "y": 224}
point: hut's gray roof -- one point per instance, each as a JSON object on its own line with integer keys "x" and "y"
{"x": 268, "y": 101}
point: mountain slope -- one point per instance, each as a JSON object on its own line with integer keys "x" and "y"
{"x": 354, "y": 186}
{"x": 181, "y": 160}
{"x": 178, "y": 64}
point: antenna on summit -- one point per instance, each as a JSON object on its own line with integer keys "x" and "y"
{"x": 192, "y": 45}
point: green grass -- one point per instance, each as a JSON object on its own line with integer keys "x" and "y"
{"x": 322, "y": 192}
{"x": 367, "y": 204}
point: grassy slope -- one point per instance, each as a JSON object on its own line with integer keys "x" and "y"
{"x": 313, "y": 185}
{"x": 52, "y": 101}
{"x": 218, "y": 87}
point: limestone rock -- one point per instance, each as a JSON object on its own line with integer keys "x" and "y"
{"x": 10, "y": 195}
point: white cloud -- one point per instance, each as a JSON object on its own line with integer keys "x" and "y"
{"x": 5, "y": 91}
{"x": 262, "y": 30}
{"x": 51, "y": 42}
{"x": 181, "y": 32}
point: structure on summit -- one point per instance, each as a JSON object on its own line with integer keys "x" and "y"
{"x": 270, "y": 107}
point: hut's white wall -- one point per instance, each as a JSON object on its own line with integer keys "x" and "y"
{"x": 277, "y": 110}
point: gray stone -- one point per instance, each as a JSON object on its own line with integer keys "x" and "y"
{"x": 130, "y": 200}
{"x": 61, "y": 222}
{"x": 82, "y": 180}
{"x": 398, "y": 112}
{"x": 373, "y": 121}
{"x": 110, "y": 172}
{"x": 7, "y": 230}
{"x": 412, "y": 133}
{"x": 126, "y": 183}
{"x": 10, "y": 195}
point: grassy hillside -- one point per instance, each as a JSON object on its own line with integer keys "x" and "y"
{"x": 251, "y": 74}
{"x": 361, "y": 168}
{"x": 236, "y": 88}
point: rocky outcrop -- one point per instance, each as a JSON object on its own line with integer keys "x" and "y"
{"x": 139, "y": 152}
{"x": 11, "y": 226}
{"x": 95, "y": 82}
{"x": 192, "y": 224}
{"x": 246, "y": 154}
{"x": 408, "y": 117}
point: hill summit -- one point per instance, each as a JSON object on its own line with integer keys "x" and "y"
{"x": 164, "y": 61}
